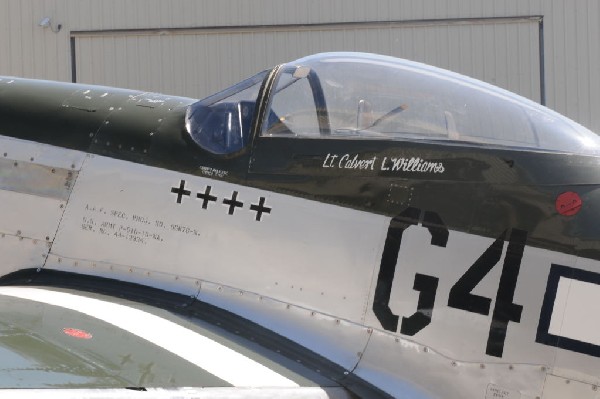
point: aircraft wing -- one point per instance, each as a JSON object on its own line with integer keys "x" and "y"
{"x": 93, "y": 337}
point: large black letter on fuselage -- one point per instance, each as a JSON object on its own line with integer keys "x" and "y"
{"x": 505, "y": 310}
{"x": 426, "y": 285}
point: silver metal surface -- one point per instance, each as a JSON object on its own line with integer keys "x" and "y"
{"x": 42, "y": 215}
{"x": 42, "y": 154}
{"x": 334, "y": 338}
{"x": 243, "y": 265}
{"x": 182, "y": 393}
{"x": 560, "y": 388}
{"x": 147, "y": 276}
{"x": 106, "y": 222}
{"x": 429, "y": 374}
{"x": 34, "y": 179}
{"x": 446, "y": 332}
{"x": 21, "y": 253}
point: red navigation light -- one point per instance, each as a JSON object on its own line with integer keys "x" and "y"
{"x": 76, "y": 333}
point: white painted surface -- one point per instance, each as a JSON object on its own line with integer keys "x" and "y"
{"x": 199, "y": 350}
{"x": 567, "y": 361}
{"x": 571, "y": 317}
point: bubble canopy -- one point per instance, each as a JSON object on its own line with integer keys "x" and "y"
{"x": 367, "y": 96}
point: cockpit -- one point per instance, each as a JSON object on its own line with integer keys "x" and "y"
{"x": 221, "y": 123}
{"x": 371, "y": 97}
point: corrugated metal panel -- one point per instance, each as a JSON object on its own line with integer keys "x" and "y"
{"x": 572, "y": 33}
{"x": 197, "y": 63}
{"x": 573, "y": 59}
{"x": 5, "y": 40}
{"x": 593, "y": 79}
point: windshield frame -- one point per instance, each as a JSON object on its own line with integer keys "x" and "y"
{"x": 219, "y": 97}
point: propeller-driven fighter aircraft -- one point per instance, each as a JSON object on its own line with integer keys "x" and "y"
{"x": 342, "y": 225}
